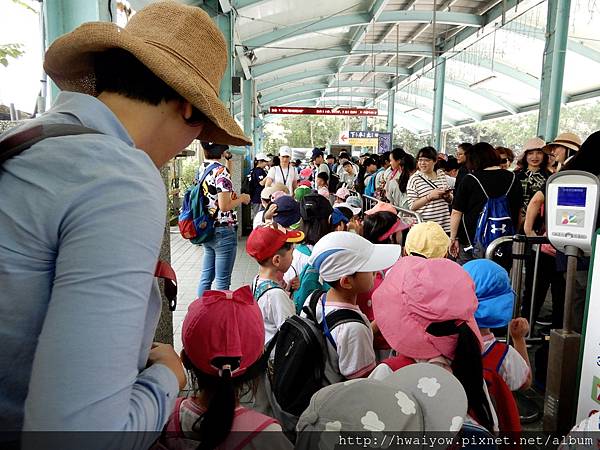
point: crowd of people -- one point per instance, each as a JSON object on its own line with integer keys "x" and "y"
{"x": 357, "y": 320}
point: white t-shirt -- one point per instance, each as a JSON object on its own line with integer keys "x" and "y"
{"x": 514, "y": 369}
{"x": 258, "y": 219}
{"x": 276, "y": 306}
{"x": 354, "y": 341}
{"x": 284, "y": 176}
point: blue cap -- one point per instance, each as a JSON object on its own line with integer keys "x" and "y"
{"x": 338, "y": 216}
{"x": 494, "y": 293}
{"x": 288, "y": 211}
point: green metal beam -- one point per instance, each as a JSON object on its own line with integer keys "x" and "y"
{"x": 326, "y": 72}
{"x": 438, "y": 103}
{"x": 282, "y": 93}
{"x": 546, "y": 67}
{"x": 316, "y": 55}
{"x": 355, "y": 19}
{"x": 390, "y": 112}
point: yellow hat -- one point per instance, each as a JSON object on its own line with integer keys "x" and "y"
{"x": 427, "y": 239}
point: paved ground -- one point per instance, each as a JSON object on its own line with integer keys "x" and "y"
{"x": 187, "y": 262}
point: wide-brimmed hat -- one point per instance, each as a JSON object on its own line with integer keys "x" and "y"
{"x": 417, "y": 293}
{"x": 419, "y": 398}
{"x": 568, "y": 140}
{"x": 180, "y": 44}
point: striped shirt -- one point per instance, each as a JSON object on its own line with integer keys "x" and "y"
{"x": 436, "y": 210}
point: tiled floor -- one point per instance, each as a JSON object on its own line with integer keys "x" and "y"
{"x": 186, "y": 259}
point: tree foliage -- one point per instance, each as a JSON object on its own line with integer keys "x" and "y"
{"x": 9, "y": 51}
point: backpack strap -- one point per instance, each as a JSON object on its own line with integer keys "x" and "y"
{"x": 494, "y": 356}
{"x": 264, "y": 287}
{"x": 20, "y": 141}
{"x": 247, "y": 424}
{"x": 303, "y": 248}
{"x": 481, "y": 185}
{"x": 337, "y": 317}
{"x": 173, "y": 427}
{"x": 511, "y": 184}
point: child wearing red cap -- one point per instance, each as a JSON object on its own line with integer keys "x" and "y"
{"x": 271, "y": 246}
{"x": 223, "y": 338}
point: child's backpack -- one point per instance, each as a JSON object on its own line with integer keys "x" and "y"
{"x": 370, "y": 187}
{"x": 259, "y": 290}
{"x": 195, "y": 222}
{"x": 502, "y": 397}
{"x": 305, "y": 359}
{"x": 494, "y": 220}
{"x": 309, "y": 279}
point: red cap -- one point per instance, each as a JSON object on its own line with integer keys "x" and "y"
{"x": 265, "y": 241}
{"x": 223, "y": 324}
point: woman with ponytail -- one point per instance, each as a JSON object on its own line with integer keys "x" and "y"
{"x": 425, "y": 310}
{"x": 223, "y": 338}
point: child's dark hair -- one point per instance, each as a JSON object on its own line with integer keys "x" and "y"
{"x": 323, "y": 176}
{"x": 375, "y": 225}
{"x": 286, "y": 248}
{"x": 409, "y": 166}
{"x": 221, "y": 393}
{"x": 467, "y": 366}
{"x": 315, "y": 229}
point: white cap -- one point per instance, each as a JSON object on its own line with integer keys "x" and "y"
{"x": 262, "y": 157}
{"x": 341, "y": 253}
{"x": 356, "y": 211}
{"x": 285, "y": 151}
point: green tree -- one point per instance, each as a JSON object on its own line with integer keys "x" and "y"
{"x": 13, "y": 50}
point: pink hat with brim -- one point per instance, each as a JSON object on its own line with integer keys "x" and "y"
{"x": 400, "y": 225}
{"x": 417, "y": 292}
{"x": 381, "y": 207}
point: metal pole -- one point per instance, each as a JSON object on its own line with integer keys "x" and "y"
{"x": 438, "y": 102}
{"x": 572, "y": 253}
{"x": 391, "y": 104}
{"x": 546, "y": 69}
{"x": 534, "y": 289}
{"x": 516, "y": 274}
{"x": 558, "y": 68}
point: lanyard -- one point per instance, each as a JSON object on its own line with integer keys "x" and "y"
{"x": 283, "y": 176}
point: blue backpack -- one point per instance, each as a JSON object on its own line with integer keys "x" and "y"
{"x": 495, "y": 220}
{"x": 309, "y": 281}
{"x": 259, "y": 290}
{"x": 370, "y": 187}
{"x": 195, "y": 222}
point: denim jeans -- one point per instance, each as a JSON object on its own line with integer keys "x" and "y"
{"x": 219, "y": 257}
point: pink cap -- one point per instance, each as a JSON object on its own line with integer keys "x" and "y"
{"x": 306, "y": 173}
{"x": 342, "y": 193}
{"x": 223, "y": 324}
{"x": 417, "y": 292}
{"x": 382, "y": 207}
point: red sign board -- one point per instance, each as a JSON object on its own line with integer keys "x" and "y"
{"x": 323, "y": 111}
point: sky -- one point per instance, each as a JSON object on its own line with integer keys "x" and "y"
{"x": 20, "y": 81}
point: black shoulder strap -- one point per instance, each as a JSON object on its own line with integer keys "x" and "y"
{"x": 340, "y": 316}
{"x": 20, "y": 141}
{"x": 311, "y": 309}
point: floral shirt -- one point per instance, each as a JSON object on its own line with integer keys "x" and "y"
{"x": 218, "y": 180}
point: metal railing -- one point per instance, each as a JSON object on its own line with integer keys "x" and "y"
{"x": 369, "y": 202}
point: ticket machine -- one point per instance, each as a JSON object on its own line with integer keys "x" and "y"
{"x": 571, "y": 214}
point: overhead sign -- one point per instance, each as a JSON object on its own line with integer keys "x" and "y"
{"x": 385, "y": 142}
{"x": 363, "y": 138}
{"x": 343, "y": 139}
{"x": 323, "y": 111}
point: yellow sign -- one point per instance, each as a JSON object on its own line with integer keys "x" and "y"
{"x": 364, "y": 142}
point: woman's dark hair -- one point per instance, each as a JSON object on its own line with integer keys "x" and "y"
{"x": 464, "y": 146}
{"x": 315, "y": 229}
{"x": 375, "y": 226}
{"x": 398, "y": 153}
{"x": 408, "y": 165}
{"x": 467, "y": 366}
{"x": 213, "y": 151}
{"x": 221, "y": 393}
{"x": 481, "y": 156}
{"x": 275, "y": 161}
{"x": 427, "y": 152}
{"x": 588, "y": 157}
{"x": 510, "y": 155}
{"x": 323, "y": 176}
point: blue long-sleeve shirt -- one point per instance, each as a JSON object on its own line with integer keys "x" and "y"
{"x": 81, "y": 223}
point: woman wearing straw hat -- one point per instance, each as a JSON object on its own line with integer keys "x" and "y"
{"x": 83, "y": 216}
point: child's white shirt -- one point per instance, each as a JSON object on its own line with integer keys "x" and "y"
{"x": 514, "y": 369}
{"x": 299, "y": 261}
{"x": 354, "y": 341}
{"x": 276, "y": 306}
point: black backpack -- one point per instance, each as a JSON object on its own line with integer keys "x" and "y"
{"x": 334, "y": 182}
{"x": 303, "y": 345}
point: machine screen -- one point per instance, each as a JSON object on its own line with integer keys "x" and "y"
{"x": 571, "y": 196}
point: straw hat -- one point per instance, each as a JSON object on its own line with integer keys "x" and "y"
{"x": 180, "y": 44}
{"x": 568, "y": 140}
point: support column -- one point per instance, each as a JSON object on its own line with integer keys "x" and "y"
{"x": 547, "y": 68}
{"x": 63, "y": 16}
{"x": 391, "y": 102}
{"x": 364, "y": 124}
{"x": 438, "y": 103}
{"x": 557, "y": 32}
{"x": 248, "y": 108}
{"x": 257, "y": 138}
